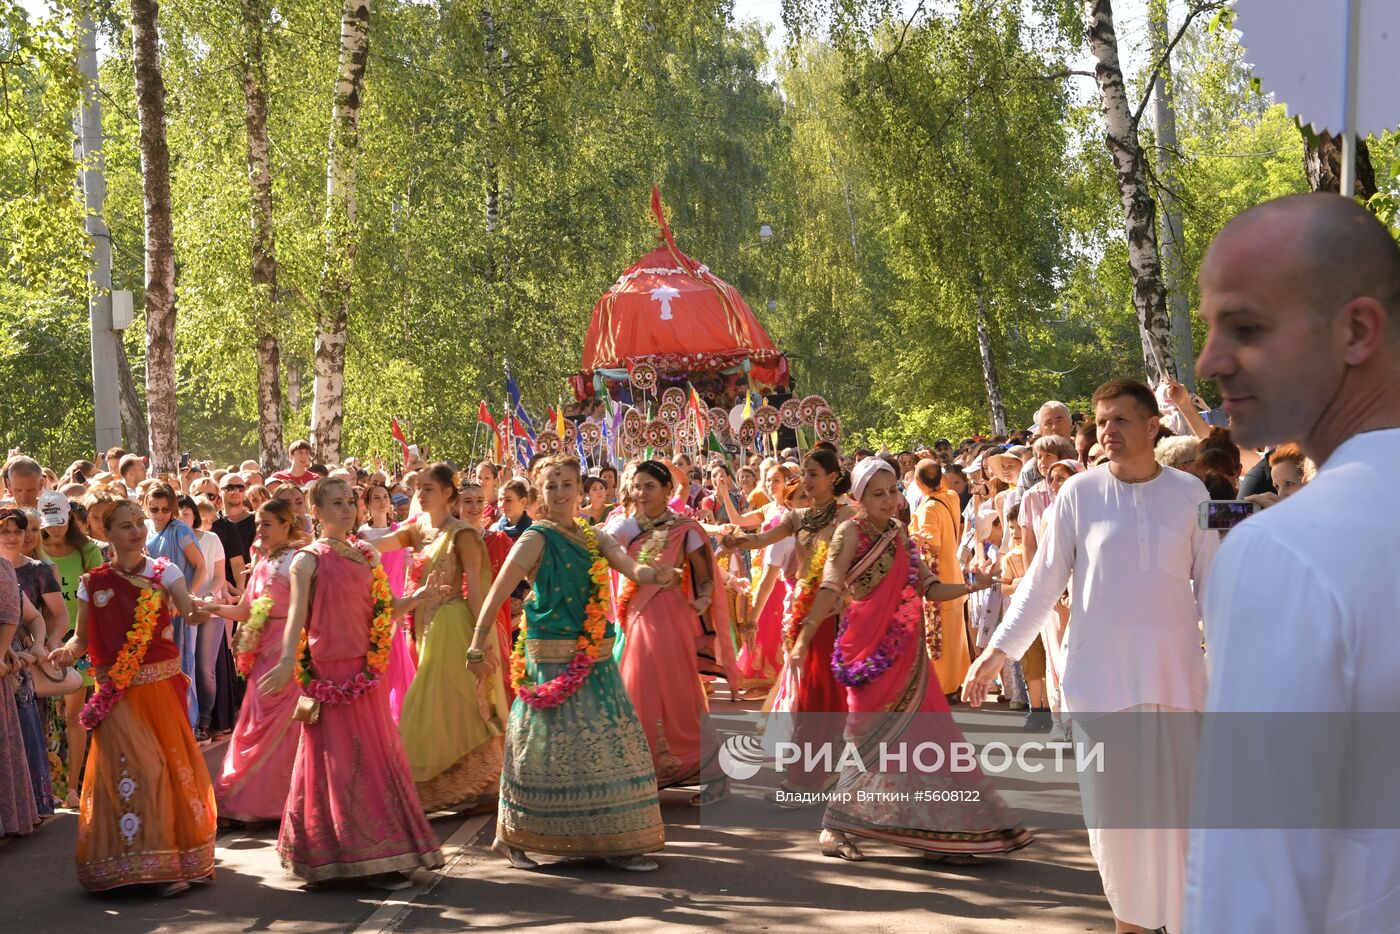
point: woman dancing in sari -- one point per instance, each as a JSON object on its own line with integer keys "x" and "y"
{"x": 471, "y": 506}
{"x": 671, "y": 635}
{"x": 147, "y": 807}
{"x": 452, "y": 724}
{"x": 760, "y": 657}
{"x": 403, "y": 663}
{"x": 257, "y": 771}
{"x": 816, "y": 690}
{"x": 893, "y": 694}
{"x": 352, "y": 810}
{"x": 578, "y": 779}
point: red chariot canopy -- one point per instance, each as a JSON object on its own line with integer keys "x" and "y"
{"x": 672, "y": 312}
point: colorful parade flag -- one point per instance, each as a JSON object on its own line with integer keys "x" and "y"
{"x": 397, "y": 432}
{"x": 516, "y": 406}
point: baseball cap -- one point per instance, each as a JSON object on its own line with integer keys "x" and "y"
{"x": 399, "y": 499}
{"x": 53, "y": 509}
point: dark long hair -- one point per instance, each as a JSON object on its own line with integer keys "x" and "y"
{"x": 827, "y": 460}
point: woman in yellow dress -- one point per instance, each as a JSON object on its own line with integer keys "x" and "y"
{"x": 452, "y": 724}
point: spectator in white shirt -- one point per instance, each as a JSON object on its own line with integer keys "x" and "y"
{"x": 1302, "y": 297}
{"x": 1127, "y": 534}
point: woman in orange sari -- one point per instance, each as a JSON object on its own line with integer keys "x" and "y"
{"x": 671, "y": 636}
{"x": 896, "y": 704}
{"x": 147, "y": 806}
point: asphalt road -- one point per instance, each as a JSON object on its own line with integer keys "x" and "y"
{"x": 713, "y": 875}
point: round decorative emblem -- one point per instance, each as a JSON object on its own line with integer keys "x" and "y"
{"x": 747, "y": 432}
{"x": 644, "y": 377}
{"x": 828, "y": 426}
{"x": 809, "y": 408}
{"x": 592, "y": 434}
{"x": 547, "y": 443}
{"x": 674, "y": 395}
{"x": 670, "y": 413}
{"x": 719, "y": 421}
{"x": 790, "y": 413}
{"x": 658, "y": 434}
{"x": 632, "y": 425}
{"x": 766, "y": 419}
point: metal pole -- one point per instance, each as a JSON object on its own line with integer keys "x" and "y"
{"x": 1353, "y": 42}
{"x": 107, "y": 422}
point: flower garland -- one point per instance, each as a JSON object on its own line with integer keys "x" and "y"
{"x": 133, "y": 652}
{"x": 804, "y": 594}
{"x": 249, "y": 639}
{"x": 655, "y": 545}
{"x": 587, "y": 650}
{"x": 933, "y": 617}
{"x": 381, "y": 635}
{"x": 416, "y": 566}
{"x": 896, "y": 636}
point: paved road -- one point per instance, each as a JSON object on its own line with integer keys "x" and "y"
{"x": 711, "y": 877}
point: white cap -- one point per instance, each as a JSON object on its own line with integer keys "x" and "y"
{"x": 53, "y": 509}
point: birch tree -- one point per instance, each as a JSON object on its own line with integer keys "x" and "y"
{"x": 1121, "y": 120}
{"x": 333, "y": 305}
{"x": 1164, "y": 130}
{"x": 266, "y": 301}
{"x": 160, "y": 241}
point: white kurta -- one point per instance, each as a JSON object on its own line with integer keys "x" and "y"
{"x": 1138, "y": 561}
{"x": 1302, "y": 617}
{"x": 1135, "y": 553}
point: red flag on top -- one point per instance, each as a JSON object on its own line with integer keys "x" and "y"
{"x": 483, "y": 415}
{"x": 397, "y": 432}
{"x": 549, "y": 417}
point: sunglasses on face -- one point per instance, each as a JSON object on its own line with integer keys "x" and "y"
{"x": 234, "y": 486}
{"x": 159, "y": 510}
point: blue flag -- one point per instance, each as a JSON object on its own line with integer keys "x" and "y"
{"x": 513, "y": 391}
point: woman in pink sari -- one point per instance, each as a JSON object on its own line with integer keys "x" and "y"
{"x": 353, "y": 810}
{"x": 671, "y": 636}
{"x": 257, "y": 772}
{"x": 403, "y": 662}
{"x": 895, "y": 702}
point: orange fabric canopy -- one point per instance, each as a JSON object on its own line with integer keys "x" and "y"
{"x": 672, "y": 312}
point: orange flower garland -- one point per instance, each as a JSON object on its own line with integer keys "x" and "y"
{"x": 128, "y": 662}
{"x": 381, "y": 636}
{"x": 804, "y": 594}
{"x": 587, "y": 649}
{"x": 656, "y": 543}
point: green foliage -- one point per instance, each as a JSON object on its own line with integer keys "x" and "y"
{"x": 911, "y": 169}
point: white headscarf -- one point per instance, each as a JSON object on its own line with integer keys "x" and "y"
{"x": 864, "y": 472}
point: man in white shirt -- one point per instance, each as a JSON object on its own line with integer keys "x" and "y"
{"x": 1302, "y": 296}
{"x": 1127, "y": 535}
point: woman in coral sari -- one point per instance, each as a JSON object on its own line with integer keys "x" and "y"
{"x": 352, "y": 810}
{"x": 147, "y": 812}
{"x": 578, "y": 779}
{"x": 403, "y": 655}
{"x": 896, "y": 704}
{"x": 471, "y": 507}
{"x": 257, "y": 771}
{"x": 815, "y": 691}
{"x": 671, "y": 636}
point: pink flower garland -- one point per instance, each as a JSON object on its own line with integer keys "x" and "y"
{"x": 892, "y": 646}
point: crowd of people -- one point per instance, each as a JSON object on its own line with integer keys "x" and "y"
{"x": 547, "y": 639}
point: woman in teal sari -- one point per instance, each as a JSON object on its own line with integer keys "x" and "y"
{"x": 578, "y": 778}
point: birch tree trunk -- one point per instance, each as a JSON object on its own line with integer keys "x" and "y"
{"x": 990, "y": 378}
{"x": 266, "y": 300}
{"x": 160, "y": 241}
{"x": 134, "y": 430}
{"x": 328, "y": 394}
{"x": 1139, "y": 210}
{"x": 1164, "y": 123}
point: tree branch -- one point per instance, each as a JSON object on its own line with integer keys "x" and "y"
{"x": 1191, "y": 14}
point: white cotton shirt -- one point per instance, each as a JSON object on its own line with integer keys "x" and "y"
{"x": 212, "y": 547}
{"x": 168, "y": 577}
{"x": 1301, "y": 616}
{"x": 1138, "y": 561}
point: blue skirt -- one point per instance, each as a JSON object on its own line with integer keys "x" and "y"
{"x": 578, "y": 778}
{"x": 36, "y": 745}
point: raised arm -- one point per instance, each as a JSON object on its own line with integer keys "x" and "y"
{"x": 755, "y": 541}
{"x": 627, "y": 566}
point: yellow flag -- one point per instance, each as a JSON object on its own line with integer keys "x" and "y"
{"x": 559, "y": 419}
{"x": 748, "y": 405}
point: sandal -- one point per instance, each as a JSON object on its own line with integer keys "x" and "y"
{"x": 844, "y": 849}
{"x": 516, "y": 856}
{"x": 711, "y": 793}
{"x": 632, "y": 863}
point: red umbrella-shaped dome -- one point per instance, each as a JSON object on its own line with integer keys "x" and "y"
{"x": 672, "y": 312}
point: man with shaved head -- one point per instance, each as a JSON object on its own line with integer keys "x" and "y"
{"x": 1302, "y": 297}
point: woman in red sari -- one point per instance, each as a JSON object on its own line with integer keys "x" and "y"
{"x": 671, "y": 636}
{"x": 816, "y": 691}
{"x": 894, "y": 698}
{"x": 147, "y": 812}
